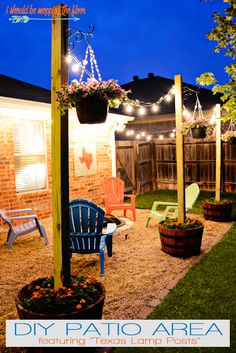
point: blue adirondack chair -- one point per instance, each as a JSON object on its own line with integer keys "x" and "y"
{"x": 86, "y": 230}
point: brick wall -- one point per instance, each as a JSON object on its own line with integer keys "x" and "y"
{"x": 89, "y": 187}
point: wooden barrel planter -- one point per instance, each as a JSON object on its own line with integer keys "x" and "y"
{"x": 181, "y": 242}
{"x": 92, "y": 312}
{"x": 92, "y": 110}
{"x": 217, "y": 212}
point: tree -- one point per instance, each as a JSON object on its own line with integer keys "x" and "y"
{"x": 224, "y": 33}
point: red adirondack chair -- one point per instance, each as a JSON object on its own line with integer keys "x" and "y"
{"x": 114, "y": 197}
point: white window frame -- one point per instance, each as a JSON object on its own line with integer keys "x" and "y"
{"x": 33, "y": 188}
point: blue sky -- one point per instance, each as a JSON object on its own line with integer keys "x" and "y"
{"x": 132, "y": 37}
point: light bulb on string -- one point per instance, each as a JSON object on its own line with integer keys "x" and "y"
{"x": 69, "y": 58}
{"x": 141, "y": 111}
{"x": 76, "y": 67}
{"x": 129, "y": 108}
{"x": 155, "y": 108}
{"x": 131, "y": 132}
{"x": 149, "y": 137}
{"x": 138, "y": 136}
{"x": 172, "y": 91}
{"x": 172, "y": 134}
{"x": 143, "y": 134}
{"x": 186, "y": 113}
{"x": 168, "y": 98}
{"x": 161, "y": 137}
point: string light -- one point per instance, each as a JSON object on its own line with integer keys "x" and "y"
{"x": 143, "y": 134}
{"x": 172, "y": 90}
{"x": 76, "y": 67}
{"x": 138, "y": 136}
{"x": 168, "y": 98}
{"x": 69, "y": 58}
{"x": 186, "y": 113}
{"x": 149, "y": 137}
{"x": 161, "y": 137}
{"x": 129, "y": 108}
{"x": 172, "y": 134}
{"x": 155, "y": 108}
{"x": 141, "y": 111}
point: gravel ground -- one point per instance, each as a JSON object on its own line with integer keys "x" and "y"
{"x": 136, "y": 273}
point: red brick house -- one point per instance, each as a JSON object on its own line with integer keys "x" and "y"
{"x": 25, "y": 152}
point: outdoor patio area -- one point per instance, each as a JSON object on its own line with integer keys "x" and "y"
{"x": 136, "y": 273}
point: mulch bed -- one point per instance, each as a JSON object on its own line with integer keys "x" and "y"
{"x": 134, "y": 275}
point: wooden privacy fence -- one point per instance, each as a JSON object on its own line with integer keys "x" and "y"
{"x": 145, "y": 166}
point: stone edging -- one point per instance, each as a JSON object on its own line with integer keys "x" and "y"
{"x": 148, "y": 308}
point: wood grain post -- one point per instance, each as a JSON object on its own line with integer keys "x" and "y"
{"x": 218, "y": 153}
{"x": 179, "y": 148}
{"x": 60, "y": 172}
{"x": 154, "y": 171}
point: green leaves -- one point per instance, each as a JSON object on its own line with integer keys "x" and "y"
{"x": 206, "y": 79}
{"x": 224, "y": 33}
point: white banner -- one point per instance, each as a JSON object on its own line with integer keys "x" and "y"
{"x": 117, "y": 333}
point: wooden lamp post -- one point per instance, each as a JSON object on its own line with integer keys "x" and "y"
{"x": 60, "y": 170}
{"x": 179, "y": 148}
{"x": 218, "y": 153}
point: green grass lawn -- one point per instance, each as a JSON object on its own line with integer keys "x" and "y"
{"x": 208, "y": 291}
{"x": 146, "y": 200}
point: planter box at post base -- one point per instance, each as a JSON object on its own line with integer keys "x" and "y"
{"x": 92, "y": 312}
{"x": 181, "y": 242}
{"x": 217, "y": 213}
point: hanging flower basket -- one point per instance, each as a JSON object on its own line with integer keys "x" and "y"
{"x": 198, "y": 132}
{"x": 91, "y": 99}
{"x": 199, "y": 126}
{"x": 232, "y": 141}
{"x": 92, "y": 110}
{"x": 230, "y": 135}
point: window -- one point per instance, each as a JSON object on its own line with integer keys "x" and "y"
{"x": 29, "y": 154}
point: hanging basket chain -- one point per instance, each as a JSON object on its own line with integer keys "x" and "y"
{"x": 232, "y": 126}
{"x": 93, "y": 64}
{"x": 198, "y": 108}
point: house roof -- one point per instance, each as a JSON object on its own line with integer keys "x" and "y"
{"x": 149, "y": 89}
{"x": 152, "y": 88}
{"x": 10, "y": 87}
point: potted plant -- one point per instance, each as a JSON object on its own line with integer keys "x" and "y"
{"x": 200, "y": 126}
{"x": 218, "y": 211}
{"x": 91, "y": 99}
{"x": 84, "y": 299}
{"x": 229, "y": 136}
{"x": 181, "y": 239}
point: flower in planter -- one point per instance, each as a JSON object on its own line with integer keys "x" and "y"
{"x": 45, "y": 299}
{"x": 173, "y": 223}
{"x": 228, "y": 135}
{"x": 212, "y": 201}
{"x": 218, "y": 211}
{"x": 72, "y": 94}
{"x": 200, "y": 122}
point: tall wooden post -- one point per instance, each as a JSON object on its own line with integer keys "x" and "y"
{"x": 179, "y": 148}
{"x": 60, "y": 174}
{"x": 218, "y": 153}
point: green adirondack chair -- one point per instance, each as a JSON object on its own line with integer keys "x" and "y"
{"x": 191, "y": 195}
